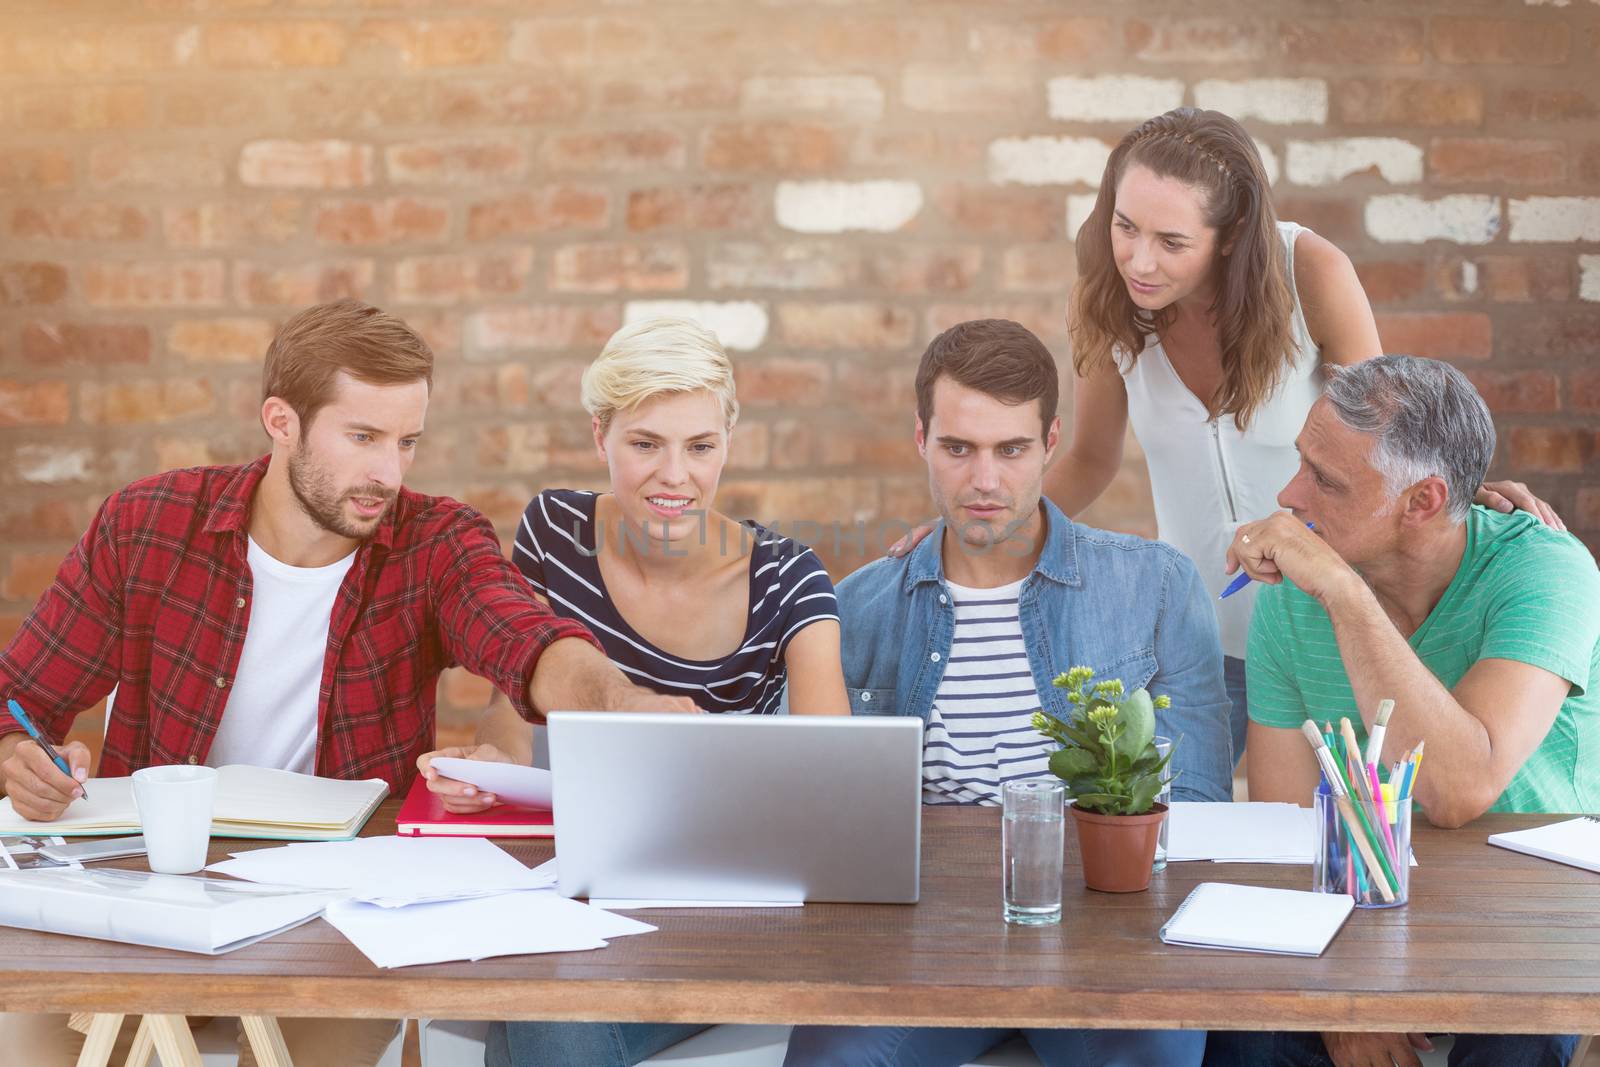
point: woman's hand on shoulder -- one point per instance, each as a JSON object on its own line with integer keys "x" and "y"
{"x": 1515, "y": 496}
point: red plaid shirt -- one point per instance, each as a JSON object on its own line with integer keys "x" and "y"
{"x": 155, "y": 600}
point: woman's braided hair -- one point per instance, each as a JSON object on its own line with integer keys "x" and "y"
{"x": 1211, "y": 153}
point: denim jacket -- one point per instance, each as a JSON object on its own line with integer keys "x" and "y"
{"x": 1130, "y": 608}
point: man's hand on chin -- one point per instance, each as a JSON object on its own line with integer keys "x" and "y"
{"x": 1281, "y": 546}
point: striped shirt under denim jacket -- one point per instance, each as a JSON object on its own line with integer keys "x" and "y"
{"x": 1129, "y": 608}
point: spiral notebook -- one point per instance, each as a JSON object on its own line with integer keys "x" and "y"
{"x": 1575, "y": 842}
{"x": 1250, "y": 918}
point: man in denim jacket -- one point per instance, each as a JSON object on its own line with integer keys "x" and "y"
{"x": 969, "y": 628}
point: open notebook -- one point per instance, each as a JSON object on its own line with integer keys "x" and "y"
{"x": 1575, "y": 842}
{"x": 1249, "y": 918}
{"x": 251, "y": 802}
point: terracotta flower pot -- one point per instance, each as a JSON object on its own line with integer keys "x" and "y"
{"x": 1117, "y": 850}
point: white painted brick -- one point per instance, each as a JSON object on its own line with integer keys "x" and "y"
{"x": 1280, "y": 100}
{"x": 48, "y": 465}
{"x": 838, "y": 207}
{"x": 1556, "y": 218}
{"x": 1269, "y": 162}
{"x": 1400, "y": 219}
{"x": 1047, "y": 160}
{"x": 1330, "y": 162}
{"x": 1112, "y": 98}
{"x": 1589, "y": 285}
{"x": 1079, "y": 207}
{"x": 856, "y": 96}
{"x": 1469, "y": 277}
{"x": 186, "y": 46}
{"x": 739, "y": 324}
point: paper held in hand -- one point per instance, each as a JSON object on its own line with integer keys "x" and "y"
{"x": 257, "y": 802}
{"x": 513, "y": 783}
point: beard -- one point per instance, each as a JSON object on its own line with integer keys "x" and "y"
{"x": 323, "y": 503}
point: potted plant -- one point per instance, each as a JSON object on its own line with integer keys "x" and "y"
{"x": 1109, "y": 762}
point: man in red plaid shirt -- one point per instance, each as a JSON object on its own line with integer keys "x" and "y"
{"x": 293, "y": 612}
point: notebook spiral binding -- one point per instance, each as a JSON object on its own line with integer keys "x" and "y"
{"x": 1179, "y": 913}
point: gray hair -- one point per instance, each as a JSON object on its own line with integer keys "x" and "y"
{"x": 1427, "y": 418}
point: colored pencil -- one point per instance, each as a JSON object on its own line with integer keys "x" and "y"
{"x": 1350, "y": 814}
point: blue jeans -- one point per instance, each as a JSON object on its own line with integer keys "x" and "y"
{"x": 908, "y": 1046}
{"x": 1239, "y": 713}
{"x": 580, "y": 1044}
{"x": 1227, "y": 1048}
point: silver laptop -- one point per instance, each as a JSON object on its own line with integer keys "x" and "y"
{"x": 750, "y": 808}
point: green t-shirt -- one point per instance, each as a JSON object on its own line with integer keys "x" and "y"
{"x": 1523, "y": 592}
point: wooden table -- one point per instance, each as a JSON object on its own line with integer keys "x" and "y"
{"x": 1491, "y": 941}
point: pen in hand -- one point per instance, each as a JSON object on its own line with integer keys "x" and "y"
{"x": 1243, "y": 579}
{"x": 39, "y": 739}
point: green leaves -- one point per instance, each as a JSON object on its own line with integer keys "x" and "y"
{"x": 1108, "y": 757}
{"x": 1070, "y": 763}
{"x": 1144, "y": 793}
{"x": 1138, "y": 716}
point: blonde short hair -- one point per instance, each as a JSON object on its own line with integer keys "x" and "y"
{"x": 651, "y": 357}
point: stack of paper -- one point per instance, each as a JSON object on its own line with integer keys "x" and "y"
{"x": 389, "y": 871}
{"x": 411, "y": 900}
{"x": 1241, "y": 833}
{"x": 508, "y": 924}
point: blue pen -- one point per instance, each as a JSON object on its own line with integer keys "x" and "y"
{"x": 49, "y": 750}
{"x": 1242, "y": 579}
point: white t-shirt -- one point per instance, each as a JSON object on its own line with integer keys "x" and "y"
{"x": 980, "y": 732}
{"x": 271, "y": 718}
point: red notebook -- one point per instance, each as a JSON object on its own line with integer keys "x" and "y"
{"x": 423, "y": 815}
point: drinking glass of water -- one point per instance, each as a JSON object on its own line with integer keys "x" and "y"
{"x": 1163, "y": 746}
{"x": 1031, "y": 845}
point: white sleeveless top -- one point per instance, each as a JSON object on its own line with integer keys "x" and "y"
{"x": 1207, "y": 477}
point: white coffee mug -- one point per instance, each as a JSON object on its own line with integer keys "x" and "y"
{"x": 175, "y": 811}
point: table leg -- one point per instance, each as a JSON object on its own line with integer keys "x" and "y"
{"x": 144, "y": 1045}
{"x": 100, "y": 1037}
{"x": 266, "y": 1040}
{"x": 174, "y": 1041}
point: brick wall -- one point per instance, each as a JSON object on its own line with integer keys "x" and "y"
{"x": 829, "y": 185}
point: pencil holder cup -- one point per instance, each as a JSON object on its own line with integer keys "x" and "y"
{"x": 1362, "y": 849}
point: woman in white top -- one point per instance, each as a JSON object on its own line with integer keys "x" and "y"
{"x": 1207, "y": 323}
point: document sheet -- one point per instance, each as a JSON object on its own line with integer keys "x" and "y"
{"x": 508, "y": 924}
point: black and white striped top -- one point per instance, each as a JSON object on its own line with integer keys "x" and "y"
{"x": 980, "y": 732}
{"x": 789, "y": 590}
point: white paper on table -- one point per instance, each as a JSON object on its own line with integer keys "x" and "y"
{"x": 626, "y": 904}
{"x": 548, "y": 867}
{"x": 512, "y": 782}
{"x": 390, "y": 871}
{"x": 1247, "y": 832}
{"x": 509, "y": 924}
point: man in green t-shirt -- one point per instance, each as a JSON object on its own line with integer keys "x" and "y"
{"x": 1483, "y": 627}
